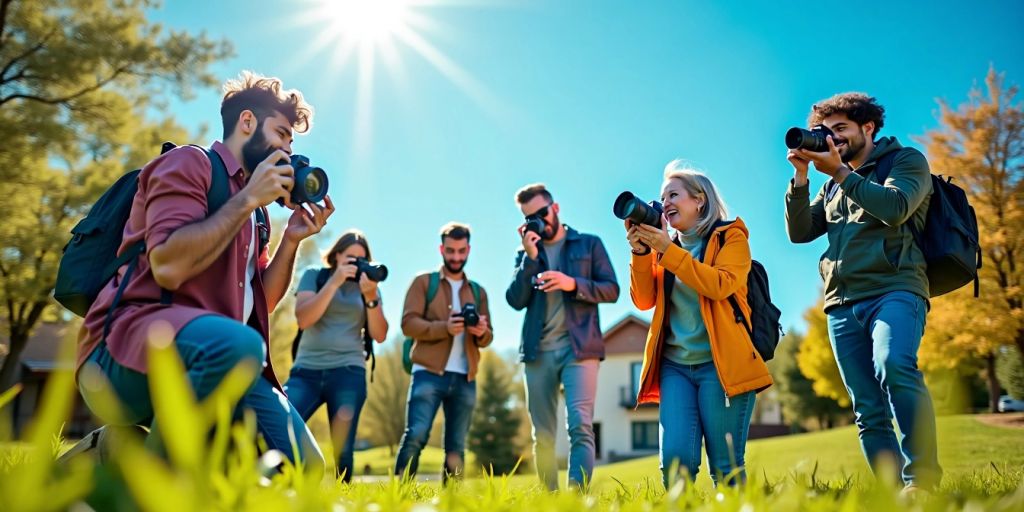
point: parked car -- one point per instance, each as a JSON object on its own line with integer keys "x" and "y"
{"x": 1009, "y": 404}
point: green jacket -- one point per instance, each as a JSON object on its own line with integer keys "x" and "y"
{"x": 870, "y": 250}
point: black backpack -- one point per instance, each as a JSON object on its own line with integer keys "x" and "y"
{"x": 949, "y": 240}
{"x": 90, "y": 258}
{"x": 764, "y": 327}
{"x": 321, "y": 279}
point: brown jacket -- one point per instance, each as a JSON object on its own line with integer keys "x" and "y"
{"x": 433, "y": 342}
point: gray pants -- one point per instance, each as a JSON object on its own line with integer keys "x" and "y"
{"x": 579, "y": 378}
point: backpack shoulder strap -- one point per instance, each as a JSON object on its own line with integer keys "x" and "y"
{"x": 322, "y": 276}
{"x": 475, "y": 288}
{"x": 219, "y": 190}
{"x": 884, "y": 166}
{"x": 432, "y": 285}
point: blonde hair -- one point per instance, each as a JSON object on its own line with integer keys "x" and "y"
{"x": 699, "y": 185}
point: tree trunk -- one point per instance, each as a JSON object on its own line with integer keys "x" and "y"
{"x": 993, "y": 383}
{"x": 9, "y": 371}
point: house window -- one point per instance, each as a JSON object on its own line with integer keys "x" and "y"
{"x": 645, "y": 435}
{"x": 634, "y": 376}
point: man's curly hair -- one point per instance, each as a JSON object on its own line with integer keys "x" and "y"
{"x": 263, "y": 96}
{"x": 857, "y": 106}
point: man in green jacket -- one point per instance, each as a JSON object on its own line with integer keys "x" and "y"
{"x": 876, "y": 288}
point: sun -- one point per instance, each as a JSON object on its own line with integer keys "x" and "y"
{"x": 365, "y": 21}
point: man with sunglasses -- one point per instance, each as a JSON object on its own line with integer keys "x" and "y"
{"x": 561, "y": 275}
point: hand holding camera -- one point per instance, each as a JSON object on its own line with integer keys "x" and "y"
{"x": 272, "y": 179}
{"x": 816, "y": 145}
{"x": 531, "y": 237}
{"x": 456, "y": 324}
{"x": 553, "y": 280}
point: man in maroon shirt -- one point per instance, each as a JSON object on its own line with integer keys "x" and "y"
{"x": 221, "y": 285}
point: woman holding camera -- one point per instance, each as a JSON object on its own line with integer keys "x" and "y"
{"x": 338, "y": 308}
{"x": 699, "y": 361}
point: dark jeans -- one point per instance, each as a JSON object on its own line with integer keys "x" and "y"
{"x": 875, "y": 343}
{"x": 343, "y": 389}
{"x": 209, "y": 347}
{"x": 427, "y": 392}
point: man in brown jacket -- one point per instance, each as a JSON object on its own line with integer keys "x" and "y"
{"x": 447, "y": 316}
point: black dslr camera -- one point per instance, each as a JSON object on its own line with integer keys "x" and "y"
{"x": 310, "y": 182}
{"x": 811, "y": 140}
{"x": 629, "y": 207}
{"x": 535, "y": 224}
{"x": 469, "y": 315}
{"x": 374, "y": 271}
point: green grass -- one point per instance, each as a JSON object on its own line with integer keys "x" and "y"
{"x": 813, "y": 472}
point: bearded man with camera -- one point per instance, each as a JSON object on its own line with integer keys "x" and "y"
{"x": 560, "y": 277}
{"x": 447, "y": 318}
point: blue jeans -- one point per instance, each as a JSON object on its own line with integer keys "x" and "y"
{"x": 875, "y": 342}
{"x": 209, "y": 347}
{"x": 343, "y": 389}
{"x": 579, "y": 378}
{"x": 694, "y": 408}
{"x": 427, "y": 392}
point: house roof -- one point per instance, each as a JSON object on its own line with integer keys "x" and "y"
{"x": 43, "y": 346}
{"x": 627, "y": 336}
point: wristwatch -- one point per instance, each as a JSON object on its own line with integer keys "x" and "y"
{"x": 372, "y": 303}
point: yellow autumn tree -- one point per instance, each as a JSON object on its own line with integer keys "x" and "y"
{"x": 980, "y": 144}
{"x": 816, "y": 360}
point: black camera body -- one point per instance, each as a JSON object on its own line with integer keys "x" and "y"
{"x": 629, "y": 207}
{"x": 535, "y": 224}
{"x": 374, "y": 271}
{"x": 310, "y": 181}
{"x": 811, "y": 140}
{"x": 469, "y": 315}
{"x": 537, "y": 282}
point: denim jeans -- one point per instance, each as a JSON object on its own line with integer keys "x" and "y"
{"x": 875, "y": 342}
{"x": 427, "y": 392}
{"x": 343, "y": 389}
{"x": 209, "y": 347}
{"x": 693, "y": 409}
{"x": 579, "y": 378}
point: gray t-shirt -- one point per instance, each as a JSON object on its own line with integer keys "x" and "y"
{"x": 555, "y": 333}
{"x": 336, "y": 339}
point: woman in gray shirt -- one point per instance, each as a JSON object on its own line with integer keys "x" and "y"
{"x": 330, "y": 365}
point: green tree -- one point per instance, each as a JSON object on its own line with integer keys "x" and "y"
{"x": 981, "y": 145}
{"x": 383, "y": 418}
{"x": 495, "y": 424}
{"x": 816, "y": 360}
{"x": 800, "y": 404}
{"x": 1010, "y": 370}
{"x": 77, "y": 78}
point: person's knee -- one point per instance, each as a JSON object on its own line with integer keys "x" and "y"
{"x": 244, "y": 345}
{"x": 581, "y": 433}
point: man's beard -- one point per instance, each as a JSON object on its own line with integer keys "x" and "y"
{"x": 256, "y": 150}
{"x": 451, "y": 267}
{"x": 551, "y": 229}
{"x": 853, "y": 148}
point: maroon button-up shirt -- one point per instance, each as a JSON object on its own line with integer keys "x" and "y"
{"x": 172, "y": 193}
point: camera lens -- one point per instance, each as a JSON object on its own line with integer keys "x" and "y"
{"x": 629, "y": 207}
{"x": 811, "y": 140}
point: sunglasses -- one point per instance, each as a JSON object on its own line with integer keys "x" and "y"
{"x": 539, "y": 214}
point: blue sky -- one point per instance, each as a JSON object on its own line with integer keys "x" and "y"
{"x": 592, "y": 98}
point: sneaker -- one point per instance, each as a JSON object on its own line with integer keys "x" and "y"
{"x": 98, "y": 443}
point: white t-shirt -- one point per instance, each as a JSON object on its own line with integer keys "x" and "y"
{"x": 250, "y": 272}
{"x": 457, "y": 357}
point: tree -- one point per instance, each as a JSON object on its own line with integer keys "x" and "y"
{"x": 1010, "y": 370}
{"x": 383, "y": 418}
{"x": 796, "y": 393}
{"x": 981, "y": 145}
{"x": 76, "y": 80}
{"x": 816, "y": 360}
{"x": 495, "y": 424}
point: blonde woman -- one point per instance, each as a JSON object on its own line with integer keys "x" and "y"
{"x": 699, "y": 362}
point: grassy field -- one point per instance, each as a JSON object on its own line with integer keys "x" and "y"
{"x": 815, "y": 472}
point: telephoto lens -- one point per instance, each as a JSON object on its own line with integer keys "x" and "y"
{"x": 310, "y": 181}
{"x": 629, "y": 207}
{"x": 374, "y": 271}
{"x": 811, "y": 140}
{"x": 469, "y": 315}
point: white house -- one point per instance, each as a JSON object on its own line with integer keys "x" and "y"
{"x": 622, "y": 429}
